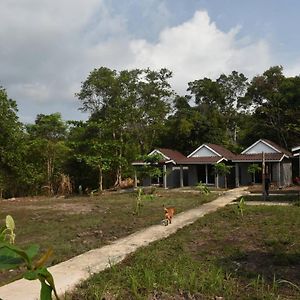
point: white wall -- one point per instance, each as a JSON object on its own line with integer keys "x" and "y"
{"x": 259, "y": 148}
{"x": 203, "y": 151}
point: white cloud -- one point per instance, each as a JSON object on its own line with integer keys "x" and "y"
{"x": 49, "y": 47}
{"x": 292, "y": 70}
{"x": 197, "y": 48}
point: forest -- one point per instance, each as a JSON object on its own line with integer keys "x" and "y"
{"x": 130, "y": 113}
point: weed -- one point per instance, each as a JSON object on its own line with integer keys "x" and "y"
{"x": 203, "y": 188}
{"x": 241, "y": 206}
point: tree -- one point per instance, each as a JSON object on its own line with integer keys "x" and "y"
{"x": 233, "y": 88}
{"x": 223, "y": 170}
{"x": 276, "y": 107}
{"x": 90, "y": 148}
{"x": 183, "y": 125}
{"x": 220, "y": 102}
{"x": 46, "y": 140}
{"x": 130, "y": 107}
{"x": 11, "y": 146}
{"x": 252, "y": 169}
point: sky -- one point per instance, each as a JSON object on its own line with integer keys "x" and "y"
{"x": 49, "y": 47}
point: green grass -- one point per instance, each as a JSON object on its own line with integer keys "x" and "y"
{"x": 75, "y": 225}
{"x": 256, "y": 256}
{"x": 294, "y": 198}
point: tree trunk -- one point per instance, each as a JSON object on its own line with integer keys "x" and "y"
{"x": 100, "y": 179}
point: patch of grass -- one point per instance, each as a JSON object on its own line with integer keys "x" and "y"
{"x": 220, "y": 255}
{"x": 272, "y": 198}
{"x": 75, "y": 225}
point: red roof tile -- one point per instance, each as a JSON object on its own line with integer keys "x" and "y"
{"x": 172, "y": 154}
{"x": 221, "y": 150}
{"x": 200, "y": 160}
{"x": 282, "y": 150}
{"x": 258, "y": 157}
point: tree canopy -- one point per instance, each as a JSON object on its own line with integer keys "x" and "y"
{"x": 133, "y": 111}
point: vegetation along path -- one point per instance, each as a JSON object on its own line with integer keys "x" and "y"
{"x": 71, "y": 272}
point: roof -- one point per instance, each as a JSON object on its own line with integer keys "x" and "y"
{"x": 222, "y": 151}
{"x": 168, "y": 155}
{"x": 270, "y": 144}
{"x": 172, "y": 154}
{"x": 175, "y": 157}
{"x": 282, "y": 150}
{"x": 217, "y": 149}
{"x": 258, "y": 157}
{"x": 201, "y": 160}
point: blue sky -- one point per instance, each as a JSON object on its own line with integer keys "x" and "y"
{"x": 48, "y": 47}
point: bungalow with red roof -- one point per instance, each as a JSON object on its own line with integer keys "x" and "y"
{"x": 201, "y": 163}
{"x": 278, "y": 164}
{"x": 179, "y": 171}
{"x": 172, "y": 173}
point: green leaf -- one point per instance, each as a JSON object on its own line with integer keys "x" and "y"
{"x": 32, "y": 251}
{"x": 31, "y": 275}
{"x": 9, "y": 259}
{"x": 17, "y": 251}
{"x": 46, "y": 291}
{"x": 2, "y": 233}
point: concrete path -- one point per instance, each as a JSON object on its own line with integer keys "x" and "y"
{"x": 71, "y": 272}
{"x": 268, "y": 203}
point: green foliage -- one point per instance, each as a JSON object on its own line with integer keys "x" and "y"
{"x": 142, "y": 195}
{"x": 150, "y": 168}
{"x": 203, "y": 188}
{"x": 276, "y": 101}
{"x": 131, "y": 112}
{"x": 12, "y": 257}
{"x": 130, "y": 107}
{"x": 138, "y": 201}
{"x": 252, "y": 169}
{"x": 241, "y": 206}
{"x": 11, "y": 147}
{"x": 223, "y": 170}
{"x": 48, "y": 149}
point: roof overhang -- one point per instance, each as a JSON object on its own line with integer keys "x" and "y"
{"x": 262, "y": 141}
{"x": 160, "y": 153}
{"x": 297, "y": 148}
{"x": 259, "y": 160}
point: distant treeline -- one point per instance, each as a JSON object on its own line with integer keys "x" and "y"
{"x": 130, "y": 113}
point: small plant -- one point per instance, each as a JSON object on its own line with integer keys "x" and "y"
{"x": 141, "y": 196}
{"x": 203, "y": 188}
{"x": 223, "y": 170}
{"x": 252, "y": 169}
{"x": 138, "y": 201}
{"x": 241, "y": 206}
{"x": 12, "y": 257}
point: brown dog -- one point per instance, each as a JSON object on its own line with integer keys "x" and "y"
{"x": 169, "y": 213}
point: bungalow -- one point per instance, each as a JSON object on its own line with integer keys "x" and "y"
{"x": 179, "y": 171}
{"x": 168, "y": 163}
{"x": 278, "y": 164}
{"x": 201, "y": 163}
{"x": 296, "y": 154}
